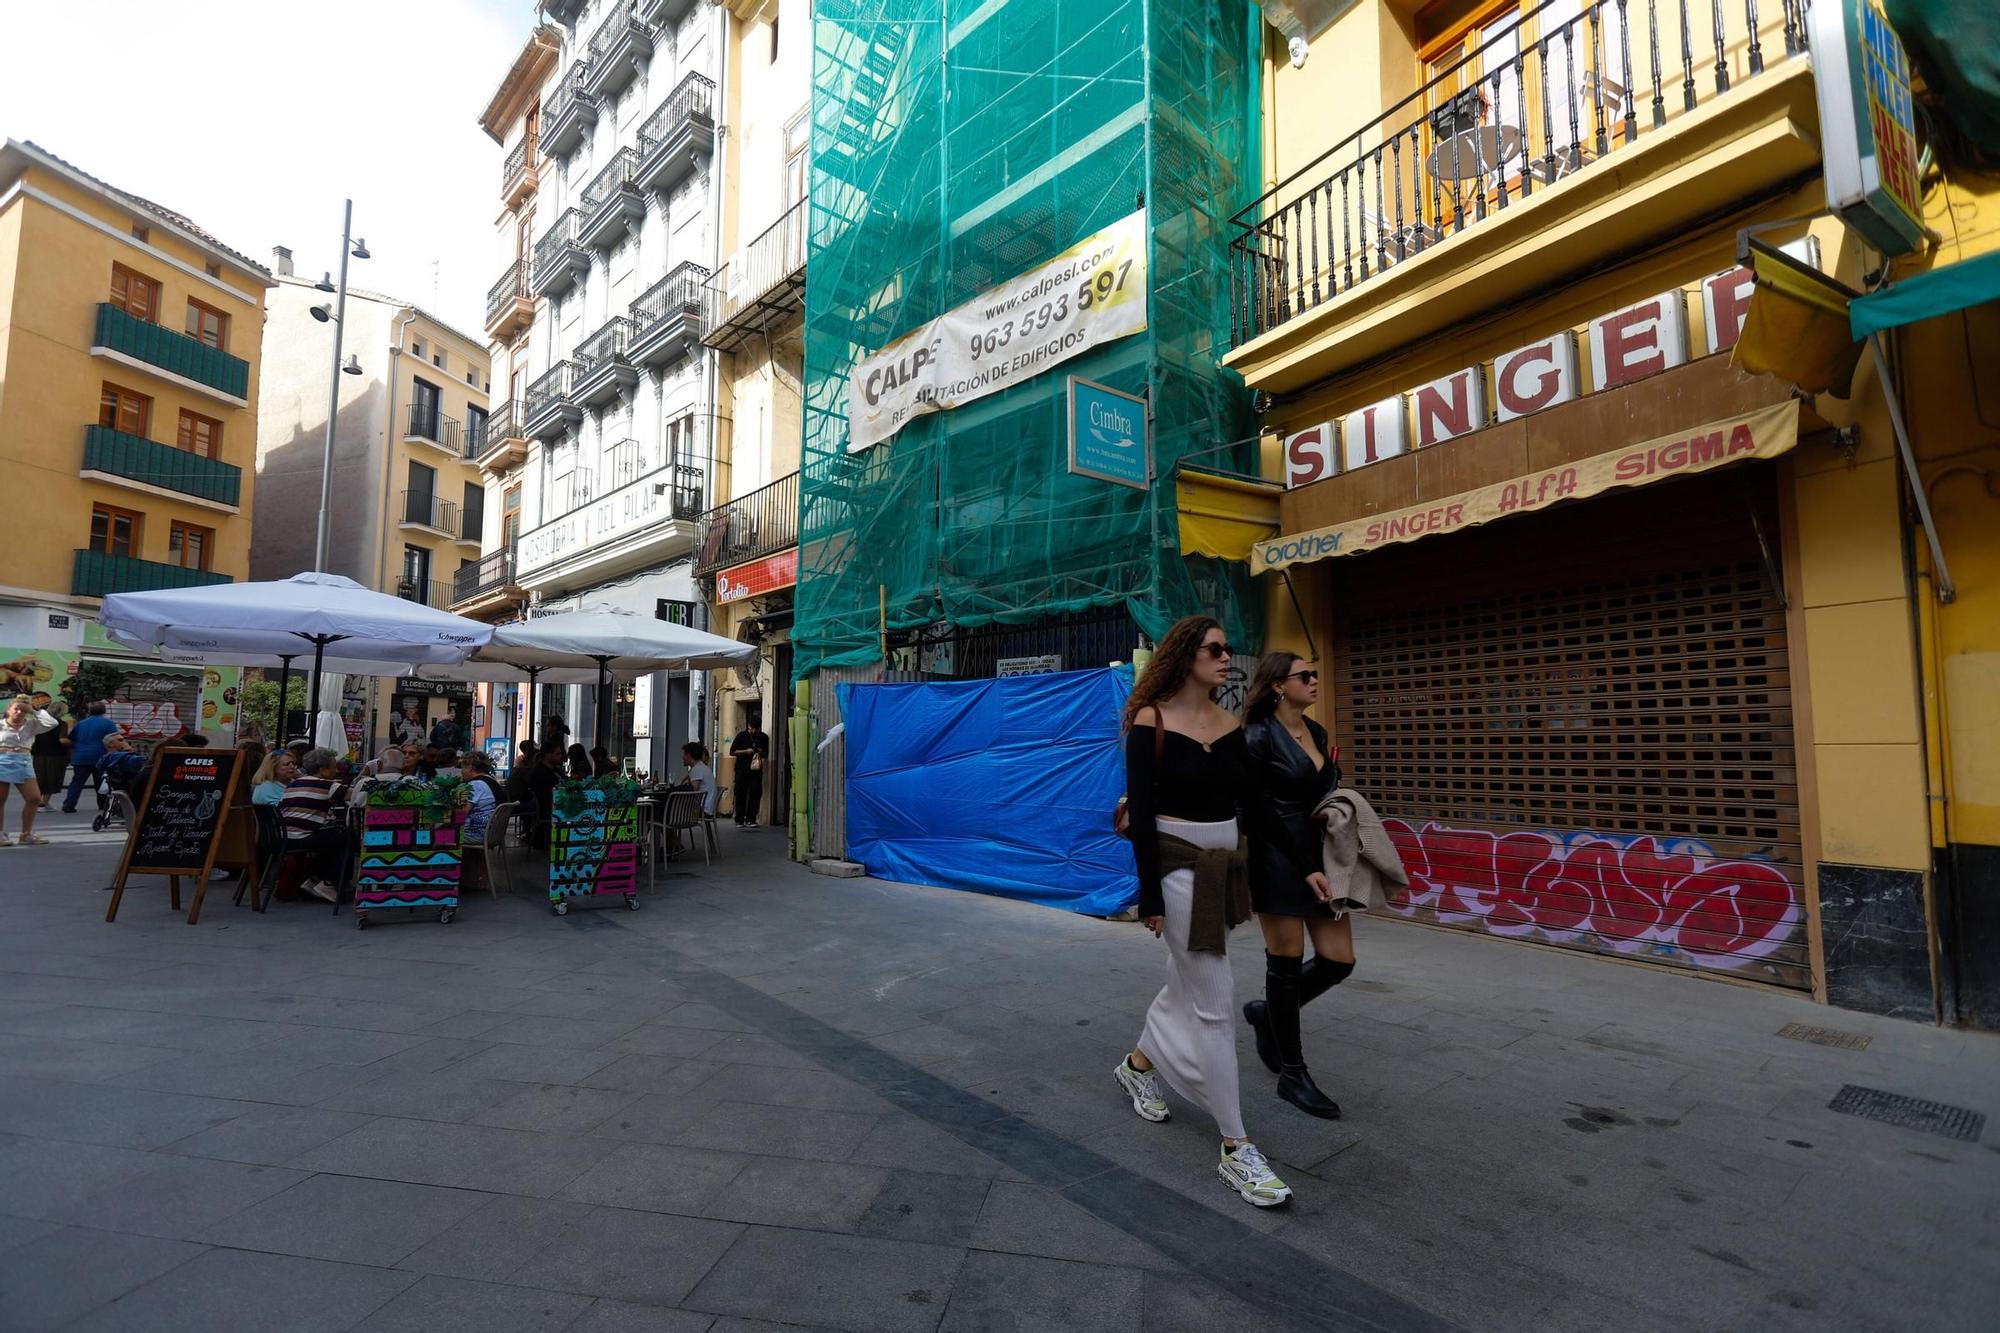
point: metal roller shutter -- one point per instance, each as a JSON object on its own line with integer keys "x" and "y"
{"x": 1578, "y": 727}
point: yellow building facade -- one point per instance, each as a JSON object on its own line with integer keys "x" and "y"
{"x": 129, "y": 379}
{"x": 1639, "y": 652}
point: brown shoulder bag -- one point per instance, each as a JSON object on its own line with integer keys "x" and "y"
{"x": 1121, "y": 814}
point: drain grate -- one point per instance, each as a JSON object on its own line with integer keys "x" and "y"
{"x": 1846, "y": 1041}
{"x": 1893, "y": 1108}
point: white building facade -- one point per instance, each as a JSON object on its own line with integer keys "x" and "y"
{"x": 602, "y": 454}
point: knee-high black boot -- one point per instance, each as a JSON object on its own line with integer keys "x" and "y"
{"x": 1257, "y": 1013}
{"x": 1281, "y": 1001}
{"x": 1321, "y": 975}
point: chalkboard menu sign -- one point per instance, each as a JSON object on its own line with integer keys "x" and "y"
{"x": 188, "y": 808}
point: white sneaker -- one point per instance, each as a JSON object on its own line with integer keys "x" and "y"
{"x": 1143, "y": 1089}
{"x": 319, "y": 889}
{"x": 1245, "y": 1171}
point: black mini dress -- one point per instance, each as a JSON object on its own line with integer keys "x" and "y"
{"x": 1285, "y": 840}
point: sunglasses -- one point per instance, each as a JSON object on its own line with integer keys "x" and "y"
{"x": 1309, "y": 677}
{"x": 1218, "y": 650}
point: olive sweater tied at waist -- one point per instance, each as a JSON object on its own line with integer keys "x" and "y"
{"x": 1221, "y": 899}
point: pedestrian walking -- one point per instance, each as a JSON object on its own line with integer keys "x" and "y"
{"x": 1187, "y": 773}
{"x": 85, "y": 749}
{"x": 19, "y": 726}
{"x": 1295, "y": 772}
{"x": 750, "y": 750}
{"x": 51, "y": 748}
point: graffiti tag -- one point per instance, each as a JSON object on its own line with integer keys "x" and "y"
{"x": 1627, "y": 894}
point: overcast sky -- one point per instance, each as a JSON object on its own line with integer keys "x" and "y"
{"x": 257, "y": 117}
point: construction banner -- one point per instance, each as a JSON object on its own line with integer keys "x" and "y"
{"x": 1765, "y": 433}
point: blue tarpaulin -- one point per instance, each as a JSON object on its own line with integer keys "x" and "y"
{"x": 1000, "y": 786}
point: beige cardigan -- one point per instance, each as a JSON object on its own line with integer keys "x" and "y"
{"x": 1362, "y": 865}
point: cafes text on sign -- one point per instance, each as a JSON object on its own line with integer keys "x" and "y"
{"x": 1090, "y": 294}
{"x": 1625, "y": 346}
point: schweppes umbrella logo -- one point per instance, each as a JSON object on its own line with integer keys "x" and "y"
{"x": 1765, "y": 433}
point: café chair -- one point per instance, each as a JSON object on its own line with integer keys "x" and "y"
{"x": 491, "y": 849}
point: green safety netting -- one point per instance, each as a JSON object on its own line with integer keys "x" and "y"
{"x": 954, "y": 146}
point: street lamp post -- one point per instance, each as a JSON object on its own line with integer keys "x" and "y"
{"x": 359, "y": 251}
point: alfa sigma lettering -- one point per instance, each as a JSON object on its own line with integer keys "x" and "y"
{"x": 1695, "y": 451}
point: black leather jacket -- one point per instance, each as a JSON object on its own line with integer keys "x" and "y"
{"x": 1284, "y": 840}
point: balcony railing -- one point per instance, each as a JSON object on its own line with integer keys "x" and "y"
{"x": 175, "y": 353}
{"x": 679, "y": 133}
{"x": 560, "y": 255}
{"x": 568, "y": 493}
{"x": 762, "y": 283}
{"x": 669, "y": 315}
{"x": 426, "y": 423}
{"x": 503, "y": 423}
{"x": 603, "y": 368}
{"x": 517, "y": 173}
{"x": 550, "y": 400}
{"x": 427, "y": 509}
{"x": 569, "y": 112}
{"x": 160, "y": 465}
{"x": 617, "y": 48}
{"x": 506, "y": 300}
{"x": 1543, "y": 100}
{"x": 761, "y": 523}
{"x": 484, "y": 576}
{"x": 425, "y": 592}
{"x": 612, "y": 202}
{"x": 96, "y": 574}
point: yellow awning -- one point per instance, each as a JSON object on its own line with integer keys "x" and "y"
{"x": 1797, "y": 327}
{"x": 1224, "y": 516}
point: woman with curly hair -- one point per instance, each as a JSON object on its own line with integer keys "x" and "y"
{"x": 1186, "y": 774}
{"x": 1288, "y": 886}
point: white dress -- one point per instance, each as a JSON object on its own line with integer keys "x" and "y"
{"x": 1190, "y": 1033}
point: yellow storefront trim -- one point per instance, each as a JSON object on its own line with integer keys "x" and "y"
{"x": 1224, "y": 517}
{"x": 1765, "y": 433}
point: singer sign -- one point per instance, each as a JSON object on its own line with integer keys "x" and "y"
{"x": 1625, "y": 345}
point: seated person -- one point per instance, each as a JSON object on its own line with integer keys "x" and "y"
{"x": 272, "y": 777}
{"x": 701, "y": 777}
{"x": 383, "y": 768}
{"x": 121, "y": 765}
{"x": 517, "y": 787}
{"x": 477, "y": 770}
{"x": 310, "y": 812}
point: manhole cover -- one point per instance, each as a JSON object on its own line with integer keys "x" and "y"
{"x": 1846, "y": 1041}
{"x": 1893, "y": 1108}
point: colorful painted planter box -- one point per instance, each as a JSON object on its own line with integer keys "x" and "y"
{"x": 594, "y": 843}
{"x": 410, "y": 853}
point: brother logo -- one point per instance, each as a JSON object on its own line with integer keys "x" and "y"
{"x": 1310, "y": 546}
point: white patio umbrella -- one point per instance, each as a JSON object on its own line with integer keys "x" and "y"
{"x": 281, "y": 618}
{"x": 616, "y": 643}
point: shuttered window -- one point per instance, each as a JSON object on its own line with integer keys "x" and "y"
{"x": 1580, "y": 724}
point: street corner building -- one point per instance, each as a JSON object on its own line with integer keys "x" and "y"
{"x": 1629, "y": 464}
{"x": 129, "y": 383}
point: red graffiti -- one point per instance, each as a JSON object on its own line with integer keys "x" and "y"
{"x": 1631, "y": 895}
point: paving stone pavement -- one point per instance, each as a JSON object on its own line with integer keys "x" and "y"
{"x": 771, "y": 1100}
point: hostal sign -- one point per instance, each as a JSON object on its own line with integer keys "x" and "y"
{"x": 628, "y": 509}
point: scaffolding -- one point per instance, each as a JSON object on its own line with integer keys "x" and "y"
{"x": 955, "y": 145}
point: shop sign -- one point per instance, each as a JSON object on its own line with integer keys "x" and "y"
{"x": 440, "y": 689}
{"x": 1108, "y": 437}
{"x": 1868, "y": 129}
{"x": 1626, "y": 345}
{"x": 1090, "y": 294}
{"x": 1765, "y": 433}
{"x": 642, "y": 707}
{"x": 1028, "y": 666}
{"x": 754, "y": 578}
{"x": 629, "y": 509}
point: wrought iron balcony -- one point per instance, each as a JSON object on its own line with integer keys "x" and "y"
{"x": 1510, "y": 121}
{"x": 504, "y": 443}
{"x": 569, "y": 493}
{"x": 662, "y": 12}
{"x": 97, "y": 574}
{"x": 426, "y": 509}
{"x": 667, "y": 318}
{"x": 618, "y": 48}
{"x": 432, "y": 427}
{"x": 126, "y": 337}
{"x": 489, "y": 577}
{"x": 569, "y": 114}
{"x": 621, "y": 464}
{"x": 761, "y": 523}
{"x": 549, "y": 407}
{"x": 613, "y": 203}
{"x": 762, "y": 285}
{"x": 156, "y": 466}
{"x": 679, "y": 136}
{"x": 510, "y": 305}
{"x": 425, "y": 592}
{"x": 520, "y": 174}
{"x": 685, "y": 492}
{"x": 603, "y": 370}
{"x": 560, "y": 256}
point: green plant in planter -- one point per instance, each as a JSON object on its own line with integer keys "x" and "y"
{"x": 572, "y": 795}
